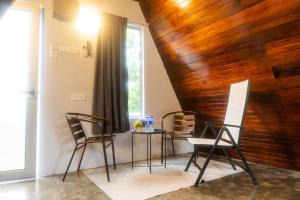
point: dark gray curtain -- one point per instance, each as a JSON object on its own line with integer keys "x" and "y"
{"x": 110, "y": 87}
{"x": 4, "y": 5}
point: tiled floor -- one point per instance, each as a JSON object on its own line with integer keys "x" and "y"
{"x": 76, "y": 186}
{"x": 277, "y": 184}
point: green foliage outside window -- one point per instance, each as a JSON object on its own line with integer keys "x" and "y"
{"x": 134, "y": 59}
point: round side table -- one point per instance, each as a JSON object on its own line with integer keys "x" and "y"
{"x": 149, "y": 147}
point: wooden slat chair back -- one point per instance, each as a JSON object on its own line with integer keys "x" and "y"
{"x": 184, "y": 124}
{"x": 106, "y": 137}
{"x": 179, "y": 125}
{"x": 76, "y": 128}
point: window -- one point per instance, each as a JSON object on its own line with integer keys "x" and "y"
{"x": 135, "y": 61}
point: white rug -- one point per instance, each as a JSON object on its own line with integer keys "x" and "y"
{"x": 139, "y": 184}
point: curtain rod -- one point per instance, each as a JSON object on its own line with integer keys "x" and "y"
{"x": 130, "y": 20}
{"x": 137, "y": 22}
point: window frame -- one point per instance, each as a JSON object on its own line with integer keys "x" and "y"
{"x": 140, "y": 28}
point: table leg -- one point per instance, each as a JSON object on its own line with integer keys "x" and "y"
{"x": 132, "y": 151}
{"x": 150, "y": 153}
{"x": 147, "y": 150}
{"x": 161, "y": 150}
{"x": 165, "y": 149}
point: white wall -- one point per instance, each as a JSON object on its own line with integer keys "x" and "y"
{"x": 74, "y": 74}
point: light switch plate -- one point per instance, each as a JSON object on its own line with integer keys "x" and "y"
{"x": 69, "y": 50}
{"x": 53, "y": 51}
{"x": 78, "y": 97}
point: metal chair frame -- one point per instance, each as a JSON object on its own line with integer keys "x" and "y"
{"x": 79, "y": 133}
{"x": 223, "y": 129}
{"x": 236, "y": 146}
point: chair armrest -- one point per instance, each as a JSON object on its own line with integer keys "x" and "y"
{"x": 212, "y": 125}
{"x": 183, "y": 111}
{"x": 87, "y": 120}
{"x": 101, "y": 122}
{"x": 87, "y": 116}
{"x": 220, "y": 124}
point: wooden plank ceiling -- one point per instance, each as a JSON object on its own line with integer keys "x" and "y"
{"x": 208, "y": 44}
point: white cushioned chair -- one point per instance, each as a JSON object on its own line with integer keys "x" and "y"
{"x": 229, "y": 133}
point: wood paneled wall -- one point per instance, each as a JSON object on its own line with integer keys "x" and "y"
{"x": 210, "y": 44}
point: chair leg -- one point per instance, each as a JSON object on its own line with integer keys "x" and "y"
{"x": 246, "y": 166}
{"x": 223, "y": 149}
{"x": 190, "y": 161}
{"x": 113, "y": 152}
{"x": 78, "y": 168}
{"x": 173, "y": 145}
{"x": 69, "y": 164}
{"x": 229, "y": 159}
{"x": 199, "y": 179}
{"x": 197, "y": 154}
{"x": 105, "y": 160}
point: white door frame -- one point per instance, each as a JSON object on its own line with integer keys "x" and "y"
{"x": 31, "y": 116}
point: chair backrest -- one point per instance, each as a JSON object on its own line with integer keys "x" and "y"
{"x": 184, "y": 122}
{"x": 236, "y": 108}
{"x": 75, "y": 126}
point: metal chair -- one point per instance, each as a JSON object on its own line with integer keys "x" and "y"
{"x": 81, "y": 140}
{"x": 229, "y": 133}
{"x": 181, "y": 125}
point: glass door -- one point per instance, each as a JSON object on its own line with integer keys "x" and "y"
{"x": 19, "y": 37}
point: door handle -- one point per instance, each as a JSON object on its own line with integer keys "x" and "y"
{"x": 30, "y": 92}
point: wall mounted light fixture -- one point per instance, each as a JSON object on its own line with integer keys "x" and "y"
{"x": 87, "y": 49}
